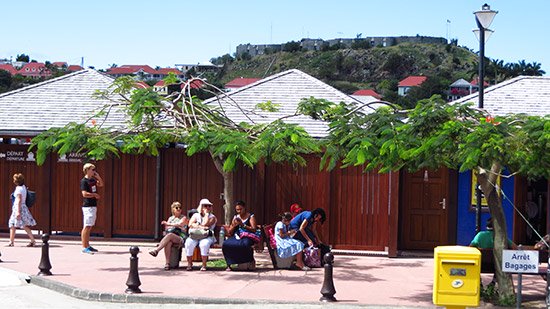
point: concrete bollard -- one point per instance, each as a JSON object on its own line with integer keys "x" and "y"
{"x": 328, "y": 289}
{"x": 45, "y": 265}
{"x": 133, "y": 281}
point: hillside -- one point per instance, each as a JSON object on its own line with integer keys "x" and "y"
{"x": 351, "y": 69}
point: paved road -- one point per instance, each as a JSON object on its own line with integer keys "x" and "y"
{"x": 31, "y": 296}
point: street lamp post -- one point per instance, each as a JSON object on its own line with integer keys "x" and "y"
{"x": 484, "y": 18}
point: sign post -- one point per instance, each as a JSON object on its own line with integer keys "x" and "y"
{"x": 520, "y": 262}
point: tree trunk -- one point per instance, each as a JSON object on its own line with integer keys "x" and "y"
{"x": 227, "y": 188}
{"x": 487, "y": 182}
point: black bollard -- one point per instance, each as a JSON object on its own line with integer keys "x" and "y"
{"x": 45, "y": 265}
{"x": 133, "y": 281}
{"x": 1, "y": 259}
{"x": 328, "y": 289}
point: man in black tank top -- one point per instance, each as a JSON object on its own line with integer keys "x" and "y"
{"x": 88, "y": 187}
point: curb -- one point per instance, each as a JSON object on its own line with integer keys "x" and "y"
{"x": 10, "y": 277}
{"x": 152, "y": 299}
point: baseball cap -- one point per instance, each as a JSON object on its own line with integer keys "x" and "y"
{"x": 205, "y": 201}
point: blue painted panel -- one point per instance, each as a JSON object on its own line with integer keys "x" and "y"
{"x": 466, "y": 217}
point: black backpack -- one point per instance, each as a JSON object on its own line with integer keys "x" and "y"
{"x": 31, "y": 198}
{"x": 29, "y": 201}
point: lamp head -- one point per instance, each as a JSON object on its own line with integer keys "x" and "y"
{"x": 487, "y": 32}
{"x": 485, "y": 16}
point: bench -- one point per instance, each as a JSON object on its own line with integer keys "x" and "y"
{"x": 278, "y": 262}
{"x": 488, "y": 266}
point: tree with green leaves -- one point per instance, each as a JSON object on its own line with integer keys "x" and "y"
{"x": 23, "y": 58}
{"x": 436, "y": 134}
{"x": 5, "y": 80}
{"x": 154, "y": 121}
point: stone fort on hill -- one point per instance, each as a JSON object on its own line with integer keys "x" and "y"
{"x": 318, "y": 44}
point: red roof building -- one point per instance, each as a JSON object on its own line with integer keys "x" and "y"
{"x": 74, "y": 68}
{"x": 367, "y": 92}
{"x": 406, "y": 84}
{"x": 143, "y": 72}
{"x": 196, "y": 84}
{"x": 140, "y": 84}
{"x": 35, "y": 70}
{"x": 131, "y": 69}
{"x": 240, "y": 82}
{"x": 60, "y": 64}
{"x": 165, "y": 71}
{"x": 9, "y": 68}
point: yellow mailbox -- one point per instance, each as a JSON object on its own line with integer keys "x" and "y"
{"x": 456, "y": 276}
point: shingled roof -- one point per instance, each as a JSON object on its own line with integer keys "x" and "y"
{"x": 286, "y": 89}
{"x": 523, "y": 94}
{"x": 55, "y": 103}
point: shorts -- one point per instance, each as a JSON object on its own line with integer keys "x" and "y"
{"x": 90, "y": 214}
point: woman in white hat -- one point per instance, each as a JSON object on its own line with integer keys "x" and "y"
{"x": 202, "y": 220}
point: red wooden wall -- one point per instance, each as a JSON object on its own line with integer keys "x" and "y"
{"x": 360, "y": 210}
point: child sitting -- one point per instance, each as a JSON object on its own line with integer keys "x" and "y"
{"x": 286, "y": 245}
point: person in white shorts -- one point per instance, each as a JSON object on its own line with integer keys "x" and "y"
{"x": 88, "y": 186}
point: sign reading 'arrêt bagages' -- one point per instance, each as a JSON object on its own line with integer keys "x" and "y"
{"x": 520, "y": 261}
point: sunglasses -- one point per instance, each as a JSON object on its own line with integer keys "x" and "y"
{"x": 178, "y": 208}
{"x": 206, "y": 205}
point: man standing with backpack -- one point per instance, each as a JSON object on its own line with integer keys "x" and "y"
{"x": 88, "y": 186}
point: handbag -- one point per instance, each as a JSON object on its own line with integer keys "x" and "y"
{"x": 174, "y": 229}
{"x": 29, "y": 200}
{"x": 254, "y": 236}
{"x": 312, "y": 257}
{"x": 198, "y": 234}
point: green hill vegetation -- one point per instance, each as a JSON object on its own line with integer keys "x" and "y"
{"x": 363, "y": 67}
{"x": 378, "y": 68}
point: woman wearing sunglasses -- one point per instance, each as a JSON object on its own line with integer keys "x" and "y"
{"x": 175, "y": 229}
{"x": 204, "y": 219}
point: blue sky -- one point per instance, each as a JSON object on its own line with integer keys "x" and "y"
{"x": 165, "y": 33}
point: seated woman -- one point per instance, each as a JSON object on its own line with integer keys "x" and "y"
{"x": 305, "y": 223}
{"x": 286, "y": 245}
{"x": 203, "y": 219}
{"x": 236, "y": 249}
{"x": 175, "y": 233}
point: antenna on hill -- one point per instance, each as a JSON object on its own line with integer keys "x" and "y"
{"x": 448, "y": 26}
{"x": 269, "y": 67}
{"x": 82, "y": 62}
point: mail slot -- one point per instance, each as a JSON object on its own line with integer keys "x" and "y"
{"x": 456, "y": 276}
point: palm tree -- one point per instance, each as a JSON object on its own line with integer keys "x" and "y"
{"x": 534, "y": 69}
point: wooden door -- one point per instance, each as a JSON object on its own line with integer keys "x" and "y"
{"x": 425, "y": 200}
{"x": 360, "y": 209}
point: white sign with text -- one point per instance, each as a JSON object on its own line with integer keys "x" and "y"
{"x": 520, "y": 261}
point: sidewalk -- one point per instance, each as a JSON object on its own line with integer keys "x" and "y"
{"x": 364, "y": 281}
